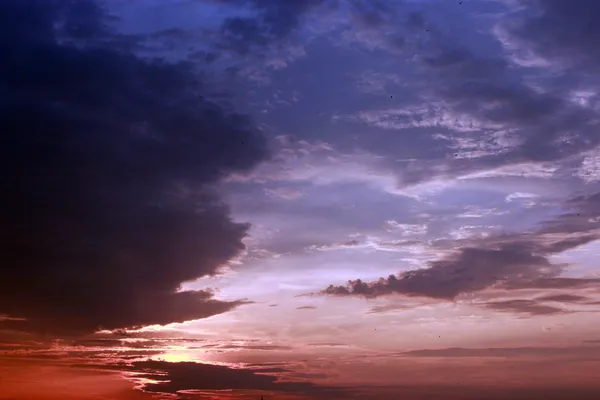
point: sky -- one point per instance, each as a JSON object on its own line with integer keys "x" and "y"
{"x": 299, "y": 199}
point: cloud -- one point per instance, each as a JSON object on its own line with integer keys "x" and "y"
{"x": 460, "y": 352}
{"x": 406, "y": 229}
{"x": 306, "y": 308}
{"x": 272, "y": 22}
{"x": 470, "y": 231}
{"x": 165, "y": 377}
{"x": 589, "y": 170}
{"x": 104, "y": 343}
{"x": 527, "y": 199}
{"x": 557, "y": 32}
{"x": 531, "y": 307}
{"x": 506, "y": 260}
{"x": 376, "y": 83}
{"x": 373, "y": 25}
{"x": 487, "y": 90}
{"x": 284, "y": 193}
{"x": 109, "y": 161}
{"x": 403, "y": 305}
{"x": 247, "y": 347}
{"x": 332, "y": 344}
{"x": 490, "y": 144}
{"x": 525, "y": 170}
{"x": 495, "y": 116}
{"x": 563, "y": 298}
{"x": 433, "y": 115}
{"x": 478, "y": 212}
{"x": 337, "y": 246}
{"x": 468, "y": 270}
{"x": 539, "y": 305}
{"x": 552, "y": 283}
{"x": 317, "y": 163}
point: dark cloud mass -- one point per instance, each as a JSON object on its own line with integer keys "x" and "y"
{"x": 166, "y": 377}
{"x": 107, "y": 167}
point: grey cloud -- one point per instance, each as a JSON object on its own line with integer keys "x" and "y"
{"x": 306, "y": 308}
{"x": 8, "y": 344}
{"x": 469, "y": 270}
{"x": 275, "y": 20}
{"x": 336, "y": 246}
{"x": 552, "y": 283}
{"x": 174, "y": 377}
{"x": 558, "y": 30}
{"x": 284, "y": 193}
{"x": 97, "y": 342}
{"x": 247, "y": 347}
{"x": 390, "y": 307}
{"x": 108, "y": 162}
{"x": 401, "y": 243}
{"x": 487, "y": 90}
{"x": 370, "y": 14}
{"x": 458, "y": 352}
{"x": 563, "y": 298}
{"x": 94, "y": 356}
{"x": 530, "y": 307}
{"x": 332, "y": 344}
{"x": 583, "y": 214}
{"x": 509, "y": 261}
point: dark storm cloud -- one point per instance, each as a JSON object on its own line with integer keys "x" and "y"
{"x": 107, "y": 165}
{"x": 174, "y": 377}
{"x": 510, "y": 261}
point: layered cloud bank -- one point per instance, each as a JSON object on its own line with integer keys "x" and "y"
{"x": 109, "y": 161}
